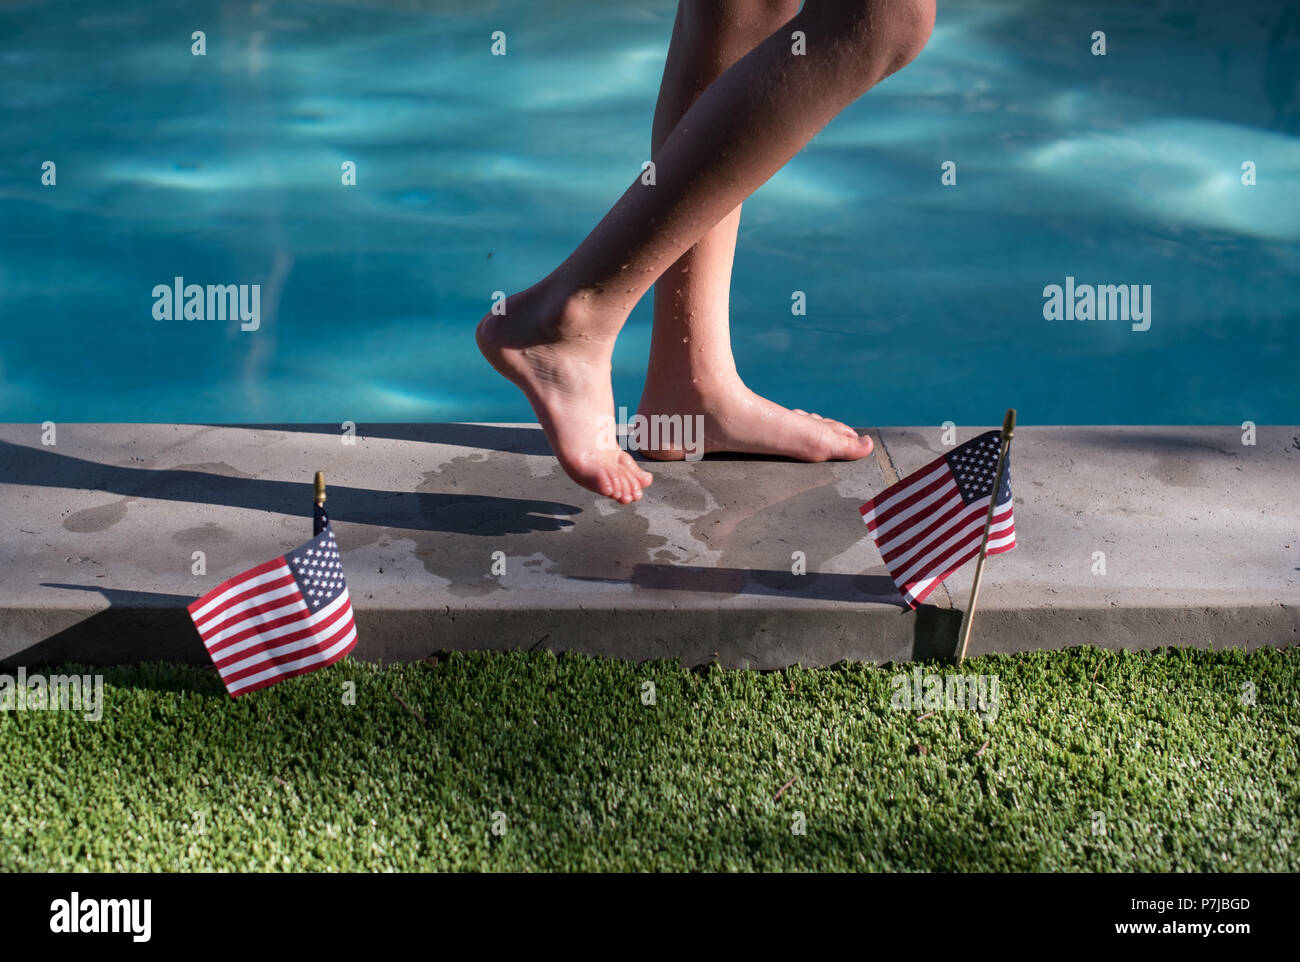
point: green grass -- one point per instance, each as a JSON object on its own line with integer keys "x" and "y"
{"x": 178, "y": 777}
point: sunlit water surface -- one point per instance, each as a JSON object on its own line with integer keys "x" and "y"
{"x": 479, "y": 173}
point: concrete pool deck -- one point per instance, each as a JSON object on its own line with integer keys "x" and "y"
{"x": 1200, "y": 535}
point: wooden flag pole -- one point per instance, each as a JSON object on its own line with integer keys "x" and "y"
{"x": 320, "y": 487}
{"x": 1008, "y": 429}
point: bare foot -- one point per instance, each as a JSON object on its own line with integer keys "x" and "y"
{"x": 738, "y": 420}
{"x": 565, "y": 375}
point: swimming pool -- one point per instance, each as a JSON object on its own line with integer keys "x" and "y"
{"x": 477, "y": 173}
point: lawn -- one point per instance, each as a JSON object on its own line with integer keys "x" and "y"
{"x": 1172, "y": 760}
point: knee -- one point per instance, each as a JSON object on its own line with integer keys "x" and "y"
{"x": 915, "y": 24}
{"x": 892, "y": 32}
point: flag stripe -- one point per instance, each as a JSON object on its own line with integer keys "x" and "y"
{"x": 935, "y": 556}
{"x": 270, "y": 629}
{"x": 939, "y": 557}
{"x": 934, "y": 494}
{"x": 931, "y": 522}
{"x": 300, "y": 667}
{"x": 872, "y": 512}
{"x": 902, "y": 543}
{"x": 918, "y": 591}
{"x": 231, "y": 659}
{"x": 318, "y": 641}
{"x": 283, "y": 586}
{"x": 204, "y": 606}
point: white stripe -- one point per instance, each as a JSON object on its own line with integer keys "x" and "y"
{"x": 240, "y": 588}
{"x": 884, "y": 506}
{"x": 285, "y": 605}
{"x": 973, "y": 527}
{"x": 294, "y": 626}
{"x": 975, "y": 513}
{"x": 288, "y": 648}
{"x": 888, "y": 546}
{"x": 1008, "y": 539}
{"x": 207, "y": 622}
{"x": 913, "y": 591}
{"x": 945, "y": 492}
{"x": 312, "y": 659}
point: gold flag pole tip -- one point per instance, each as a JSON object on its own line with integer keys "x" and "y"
{"x": 320, "y": 487}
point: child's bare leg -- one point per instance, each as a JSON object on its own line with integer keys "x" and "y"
{"x": 556, "y": 338}
{"x": 692, "y": 370}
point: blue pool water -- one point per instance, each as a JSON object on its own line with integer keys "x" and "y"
{"x": 479, "y": 173}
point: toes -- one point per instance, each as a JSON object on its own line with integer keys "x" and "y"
{"x": 858, "y": 447}
{"x": 637, "y": 476}
{"x": 843, "y": 429}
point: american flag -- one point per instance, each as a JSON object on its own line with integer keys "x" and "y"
{"x": 931, "y": 523}
{"x": 282, "y": 618}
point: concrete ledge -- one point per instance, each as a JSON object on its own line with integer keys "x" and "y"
{"x": 1201, "y": 537}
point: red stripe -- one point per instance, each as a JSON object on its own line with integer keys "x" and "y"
{"x": 920, "y": 494}
{"x": 939, "y": 562}
{"x": 284, "y": 657}
{"x": 959, "y": 508}
{"x": 307, "y": 631}
{"x": 1006, "y": 547}
{"x": 266, "y": 683}
{"x": 897, "y": 486}
{"x": 950, "y": 562}
{"x": 261, "y": 627}
{"x": 915, "y": 600}
{"x": 214, "y": 620}
{"x": 261, "y": 569}
{"x": 937, "y": 581}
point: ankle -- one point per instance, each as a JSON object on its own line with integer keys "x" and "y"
{"x": 557, "y": 313}
{"x": 692, "y": 386}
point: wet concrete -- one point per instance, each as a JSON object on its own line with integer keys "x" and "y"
{"x": 468, "y": 536}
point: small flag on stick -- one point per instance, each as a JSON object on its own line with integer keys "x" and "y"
{"x": 282, "y": 618}
{"x": 932, "y": 522}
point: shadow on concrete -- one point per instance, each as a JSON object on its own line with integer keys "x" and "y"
{"x": 935, "y": 630}
{"x": 814, "y": 586}
{"x": 137, "y": 626}
{"x": 471, "y": 514}
{"x": 487, "y": 437}
{"x": 935, "y": 633}
{"x": 1148, "y": 440}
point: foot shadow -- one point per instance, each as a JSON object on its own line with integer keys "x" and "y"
{"x": 472, "y": 514}
{"x": 512, "y": 439}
